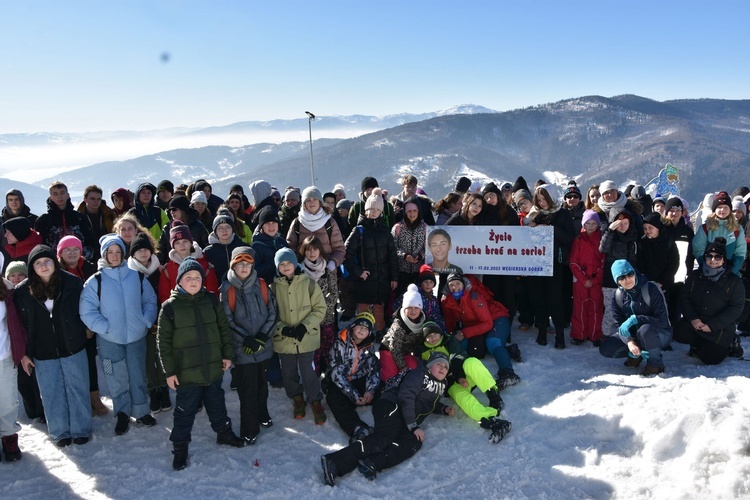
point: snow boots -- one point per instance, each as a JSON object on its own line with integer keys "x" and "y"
{"x": 299, "y": 406}
{"x": 10, "y": 448}
{"x": 180, "y": 452}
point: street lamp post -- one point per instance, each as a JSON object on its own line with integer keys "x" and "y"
{"x": 311, "y": 118}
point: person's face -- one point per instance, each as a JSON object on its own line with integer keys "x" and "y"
{"x": 508, "y": 195}
{"x": 456, "y": 205}
{"x": 428, "y": 286}
{"x": 143, "y": 255}
{"x": 207, "y": 192}
{"x": 491, "y": 199}
{"x": 312, "y": 205}
{"x": 286, "y": 269}
{"x": 277, "y": 201}
{"x": 243, "y": 270}
{"x": 439, "y": 370}
{"x": 44, "y": 268}
{"x": 660, "y": 207}
{"x": 183, "y": 247}
{"x": 674, "y": 215}
{"x": 624, "y": 225}
{"x": 439, "y": 247}
{"x": 126, "y": 231}
{"x": 312, "y": 254}
{"x": 594, "y": 196}
{"x": 360, "y": 333}
{"x": 610, "y": 196}
{"x": 12, "y": 240}
{"x": 456, "y": 286}
{"x": 165, "y": 195}
{"x": 93, "y": 201}
{"x": 475, "y": 208}
{"x": 224, "y": 232}
{"x": 59, "y": 196}
{"x": 71, "y": 256}
{"x": 271, "y": 228}
{"x": 330, "y": 202}
{"x": 16, "y": 278}
{"x": 367, "y": 192}
{"x": 723, "y": 211}
{"x": 524, "y": 205}
{"x": 14, "y": 202}
{"x": 627, "y": 281}
{"x": 374, "y": 213}
{"x": 178, "y": 214}
{"x": 235, "y": 205}
{"x": 144, "y": 197}
{"x": 541, "y": 201}
{"x": 199, "y": 206}
{"x": 411, "y": 211}
{"x": 714, "y": 260}
{"x": 590, "y": 226}
{"x": 572, "y": 201}
{"x": 650, "y": 231}
{"x": 118, "y": 201}
{"x": 343, "y": 212}
{"x": 191, "y": 282}
{"x": 739, "y": 215}
{"x": 339, "y": 196}
{"x": 291, "y": 202}
{"x": 433, "y": 338}
{"x": 413, "y": 312}
{"x": 113, "y": 255}
{"x": 409, "y": 190}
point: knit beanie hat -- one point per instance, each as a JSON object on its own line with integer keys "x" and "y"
{"x": 521, "y": 194}
{"x": 179, "y": 231}
{"x": 67, "y": 242}
{"x": 268, "y": 214}
{"x": 438, "y": 357}
{"x": 673, "y": 202}
{"x": 345, "y": 204}
{"x": 654, "y": 218}
{"x": 365, "y": 319}
{"x": 242, "y": 254}
{"x": 39, "y": 252}
{"x": 520, "y": 184}
{"x": 339, "y": 189}
{"x": 412, "y": 297}
{"x": 180, "y": 202}
{"x": 312, "y": 193}
{"x": 16, "y": 266}
{"x": 292, "y": 193}
{"x": 659, "y": 199}
{"x": 430, "y": 327}
{"x": 141, "y": 241}
{"x": 375, "y": 200}
{"x": 285, "y": 255}
{"x": 425, "y": 274}
{"x": 198, "y": 197}
{"x": 571, "y": 191}
{"x": 492, "y": 188}
{"x": 463, "y": 185}
{"x": 369, "y": 182}
{"x": 454, "y": 277}
{"x": 222, "y": 219}
{"x": 607, "y": 186}
{"x": 638, "y": 192}
{"x": 737, "y": 204}
{"x": 108, "y": 240}
{"x": 166, "y": 186}
{"x": 201, "y": 184}
{"x": 20, "y": 227}
{"x": 621, "y": 267}
{"x": 628, "y": 190}
{"x": 591, "y": 215}
{"x": 719, "y": 246}
{"x": 189, "y": 264}
{"x": 721, "y": 199}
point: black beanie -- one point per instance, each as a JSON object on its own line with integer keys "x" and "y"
{"x": 672, "y": 203}
{"x": 492, "y": 188}
{"x": 463, "y": 185}
{"x": 140, "y": 241}
{"x": 39, "y": 252}
{"x": 719, "y": 246}
{"x": 189, "y": 264}
{"x": 520, "y": 184}
{"x": 721, "y": 199}
{"x": 180, "y": 202}
{"x": 654, "y": 218}
{"x": 19, "y": 226}
{"x": 369, "y": 182}
{"x": 268, "y": 214}
{"x": 166, "y": 186}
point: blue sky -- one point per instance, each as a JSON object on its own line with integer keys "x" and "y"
{"x": 96, "y": 65}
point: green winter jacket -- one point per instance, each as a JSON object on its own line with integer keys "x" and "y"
{"x": 193, "y": 338}
{"x": 300, "y": 301}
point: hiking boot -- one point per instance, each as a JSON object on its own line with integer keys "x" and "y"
{"x": 506, "y": 379}
{"x": 596, "y": 343}
{"x": 81, "y": 440}
{"x": 577, "y": 341}
{"x": 541, "y": 337}
{"x": 652, "y": 370}
{"x": 735, "y": 350}
{"x": 97, "y": 407}
{"x": 514, "y": 352}
{"x": 329, "y": 470}
{"x": 367, "y": 469}
{"x": 153, "y": 396}
{"x": 318, "y": 412}
{"x": 496, "y": 401}
{"x": 123, "y": 424}
{"x": 146, "y": 420}
{"x": 267, "y": 423}
{"x": 559, "y": 339}
{"x": 10, "y": 448}
{"x": 165, "y": 402}
{"x": 360, "y": 432}
{"x": 250, "y": 440}
{"x": 498, "y": 427}
{"x": 62, "y": 443}
{"x": 633, "y": 362}
{"x": 229, "y": 438}
{"x": 180, "y": 452}
{"x": 299, "y": 406}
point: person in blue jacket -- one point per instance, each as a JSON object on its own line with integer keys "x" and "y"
{"x": 641, "y": 320}
{"x": 119, "y": 308}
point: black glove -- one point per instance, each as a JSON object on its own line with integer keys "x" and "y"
{"x": 251, "y": 345}
{"x": 288, "y": 331}
{"x": 300, "y": 331}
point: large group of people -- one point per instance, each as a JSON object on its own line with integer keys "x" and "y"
{"x": 331, "y": 299}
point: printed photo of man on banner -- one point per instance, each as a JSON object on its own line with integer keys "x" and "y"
{"x": 513, "y": 250}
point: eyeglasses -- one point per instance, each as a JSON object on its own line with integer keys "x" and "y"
{"x": 714, "y": 256}
{"x": 243, "y": 264}
{"x": 624, "y": 276}
{"x": 43, "y": 263}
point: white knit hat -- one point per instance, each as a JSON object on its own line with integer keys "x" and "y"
{"x": 375, "y": 200}
{"x": 412, "y": 297}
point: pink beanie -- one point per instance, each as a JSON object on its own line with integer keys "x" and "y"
{"x": 67, "y": 242}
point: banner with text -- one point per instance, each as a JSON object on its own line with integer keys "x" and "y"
{"x": 519, "y": 250}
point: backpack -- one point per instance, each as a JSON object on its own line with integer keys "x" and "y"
{"x": 232, "y": 294}
{"x": 736, "y": 231}
{"x": 98, "y": 276}
{"x": 328, "y": 226}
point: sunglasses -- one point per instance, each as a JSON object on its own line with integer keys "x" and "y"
{"x": 629, "y": 275}
{"x": 714, "y": 256}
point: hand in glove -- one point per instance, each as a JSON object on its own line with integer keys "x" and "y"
{"x": 331, "y": 265}
{"x": 299, "y": 332}
{"x": 251, "y": 345}
{"x": 625, "y": 326}
{"x": 288, "y": 331}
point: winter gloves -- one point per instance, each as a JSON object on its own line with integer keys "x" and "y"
{"x": 297, "y": 332}
{"x": 625, "y": 326}
{"x": 252, "y": 345}
{"x": 499, "y": 428}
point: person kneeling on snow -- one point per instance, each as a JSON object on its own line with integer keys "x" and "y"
{"x": 641, "y": 319}
{"x": 398, "y": 415}
{"x": 465, "y": 374}
{"x": 353, "y": 375}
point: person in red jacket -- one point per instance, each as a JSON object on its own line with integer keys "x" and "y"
{"x": 21, "y": 238}
{"x": 587, "y": 265}
{"x": 480, "y": 324}
{"x": 183, "y": 246}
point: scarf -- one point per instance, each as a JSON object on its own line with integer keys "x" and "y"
{"x": 147, "y": 271}
{"x": 414, "y": 327}
{"x": 711, "y": 273}
{"x": 606, "y": 207}
{"x": 313, "y": 222}
{"x": 197, "y": 254}
{"x": 314, "y": 269}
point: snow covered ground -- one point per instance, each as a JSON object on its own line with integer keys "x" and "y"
{"x": 583, "y": 427}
